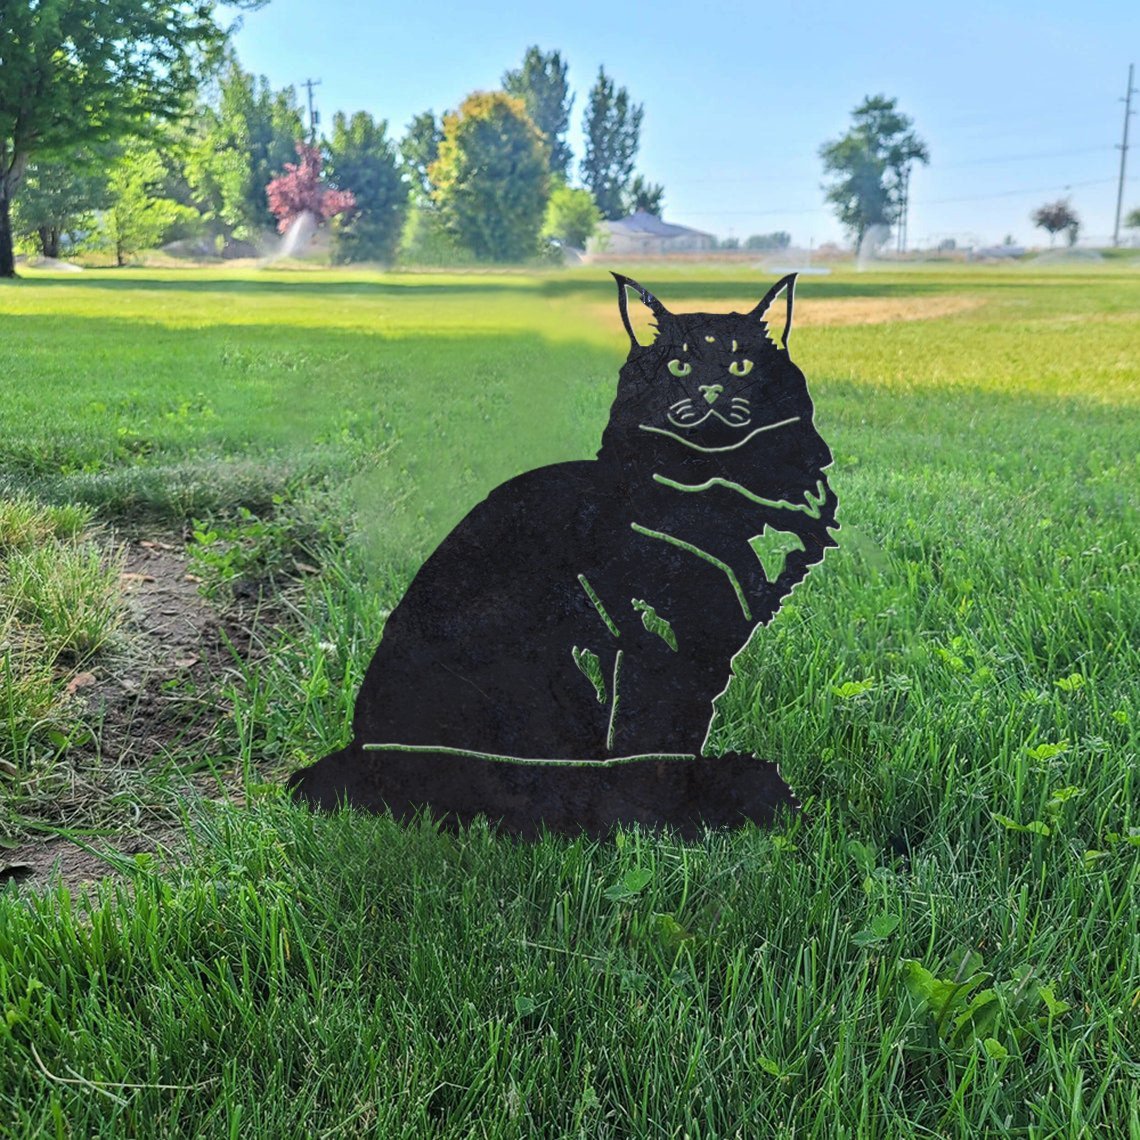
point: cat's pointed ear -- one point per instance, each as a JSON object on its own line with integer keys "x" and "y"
{"x": 660, "y": 313}
{"x": 787, "y": 286}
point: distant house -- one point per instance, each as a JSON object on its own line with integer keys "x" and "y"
{"x": 643, "y": 233}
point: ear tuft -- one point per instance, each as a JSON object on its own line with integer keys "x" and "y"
{"x": 786, "y": 285}
{"x": 643, "y": 337}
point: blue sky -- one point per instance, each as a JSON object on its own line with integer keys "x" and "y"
{"x": 1019, "y": 102}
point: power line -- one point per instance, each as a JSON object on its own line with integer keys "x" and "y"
{"x": 936, "y": 168}
{"x": 1128, "y": 112}
{"x": 921, "y": 202}
{"x": 1024, "y": 157}
{"x": 1014, "y": 193}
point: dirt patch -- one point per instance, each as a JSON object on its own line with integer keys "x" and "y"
{"x": 149, "y": 700}
{"x": 37, "y": 866}
{"x": 824, "y": 312}
{"x": 151, "y": 712}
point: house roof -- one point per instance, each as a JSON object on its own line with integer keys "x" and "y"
{"x": 644, "y": 223}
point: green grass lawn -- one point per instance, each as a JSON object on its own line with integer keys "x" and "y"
{"x": 945, "y": 943}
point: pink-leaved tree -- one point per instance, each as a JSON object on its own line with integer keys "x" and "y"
{"x": 300, "y": 191}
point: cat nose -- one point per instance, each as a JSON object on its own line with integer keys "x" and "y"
{"x": 710, "y": 391}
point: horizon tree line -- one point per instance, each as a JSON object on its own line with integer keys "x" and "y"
{"x": 194, "y": 160}
{"x": 130, "y": 123}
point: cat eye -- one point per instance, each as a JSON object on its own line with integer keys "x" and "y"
{"x": 740, "y": 367}
{"x": 679, "y": 369}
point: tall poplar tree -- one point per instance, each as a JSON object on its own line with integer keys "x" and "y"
{"x": 541, "y": 84}
{"x": 613, "y": 134}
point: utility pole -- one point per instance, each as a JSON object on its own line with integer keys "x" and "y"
{"x": 1123, "y": 148}
{"x": 314, "y": 116}
{"x": 904, "y": 207}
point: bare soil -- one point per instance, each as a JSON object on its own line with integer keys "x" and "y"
{"x": 149, "y": 701}
{"x": 155, "y": 704}
{"x": 38, "y": 866}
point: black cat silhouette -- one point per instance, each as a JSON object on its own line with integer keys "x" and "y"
{"x": 555, "y": 660}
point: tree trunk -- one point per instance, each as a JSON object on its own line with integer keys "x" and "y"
{"x": 7, "y": 255}
{"x": 49, "y": 241}
{"x": 12, "y": 167}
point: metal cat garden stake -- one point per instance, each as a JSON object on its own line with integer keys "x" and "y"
{"x": 554, "y": 663}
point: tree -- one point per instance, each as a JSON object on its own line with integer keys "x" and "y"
{"x": 647, "y": 196}
{"x": 138, "y": 215}
{"x": 490, "y": 180}
{"x": 1133, "y": 219}
{"x": 300, "y": 191}
{"x": 870, "y": 164}
{"x": 572, "y": 216}
{"x": 58, "y": 197}
{"x": 613, "y": 134}
{"x": 361, "y": 157}
{"x": 1055, "y": 217}
{"x": 541, "y": 84}
{"x": 419, "y": 148}
{"x": 240, "y": 144}
{"x": 781, "y": 239}
{"x": 75, "y": 73}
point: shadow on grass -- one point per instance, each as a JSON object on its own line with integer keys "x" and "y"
{"x": 656, "y": 278}
{"x": 141, "y": 418}
{"x": 309, "y": 283}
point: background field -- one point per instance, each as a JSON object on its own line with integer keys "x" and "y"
{"x": 945, "y": 943}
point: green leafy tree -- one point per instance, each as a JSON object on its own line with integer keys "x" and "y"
{"x": 74, "y": 73}
{"x": 362, "y": 159}
{"x": 138, "y": 216}
{"x": 572, "y": 216}
{"x": 1055, "y": 217}
{"x": 58, "y": 198}
{"x": 1132, "y": 221}
{"x": 490, "y": 180}
{"x": 241, "y": 143}
{"x": 613, "y": 134}
{"x": 419, "y": 148}
{"x": 868, "y": 165}
{"x": 425, "y": 240}
{"x": 647, "y": 196}
{"x": 541, "y": 84}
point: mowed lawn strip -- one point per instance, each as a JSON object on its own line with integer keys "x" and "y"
{"x": 945, "y": 942}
